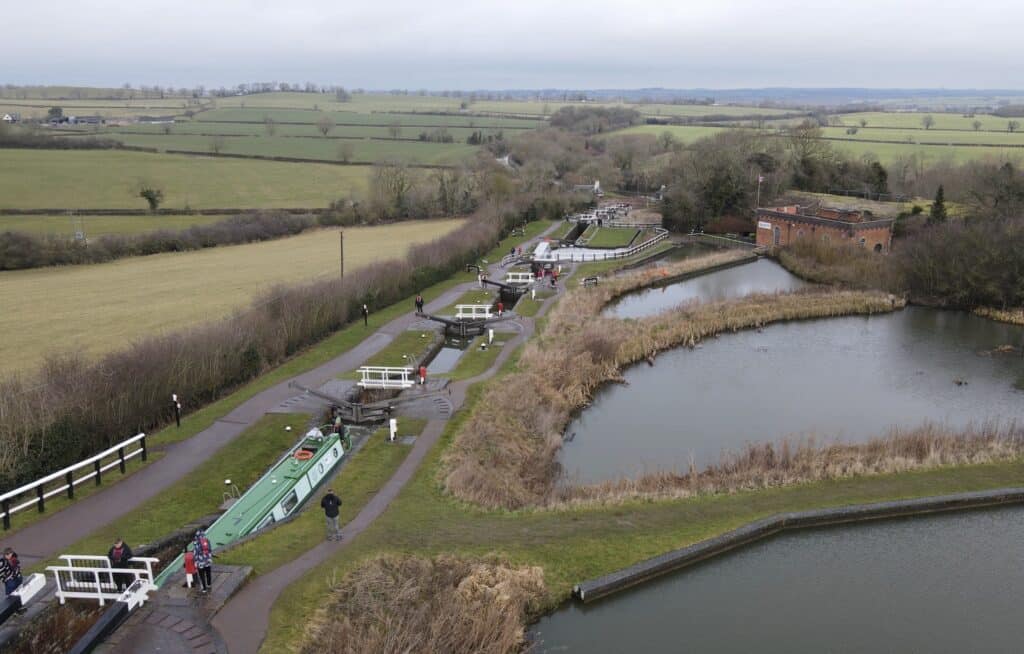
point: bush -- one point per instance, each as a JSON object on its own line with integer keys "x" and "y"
{"x": 72, "y": 407}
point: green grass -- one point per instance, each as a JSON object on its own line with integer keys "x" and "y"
{"x": 108, "y": 179}
{"x": 529, "y": 307}
{"x": 413, "y": 343}
{"x": 95, "y": 226}
{"x": 334, "y": 345}
{"x": 356, "y": 484}
{"x": 905, "y": 119}
{"x": 476, "y": 361}
{"x": 199, "y": 493}
{"x": 323, "y": 149}
{"x": 612, "y": 237}
{"x": 475, "y": 296}
{"x": 579, "y": 544}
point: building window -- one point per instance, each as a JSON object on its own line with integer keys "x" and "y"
{"x": 776, "y": 235}
{"x": 824, "y": 238}
{"x": 799, "y": 233}
{"x": 878, "y": 247}
{"x": 863, "y": 241}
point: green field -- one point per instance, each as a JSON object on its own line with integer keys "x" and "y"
{"x": 609, "y": 237}
{"x": 94, "y": 226}
{"x": 97, "y": 308}
{"x": 907, "y": 119}
{"x": 362, "y": 150}
{"x": 92, "y": 179}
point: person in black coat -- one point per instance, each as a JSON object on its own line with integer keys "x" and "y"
{"x": 119, "y": 556}
{"x": 330, "y": 504}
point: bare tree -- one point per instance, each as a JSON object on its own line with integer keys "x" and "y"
{"x": 395, "y": 130}
{"x": 345, "y": 152}
{"x": 928, "y": 121}
{"x": 1012, "y": 126}
{"x": 325, "y": 124}
{"x": 269, "y": 125}
{"x": 217, "y": 144}
{"x": 976, "y": 125}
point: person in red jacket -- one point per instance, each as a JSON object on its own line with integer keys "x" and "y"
{"x": 190, "y": 567}
{"x": 423, "y": 375}
{"x": 501, "y": 308}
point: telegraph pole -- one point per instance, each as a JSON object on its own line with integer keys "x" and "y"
{"x": 341, "y": 251}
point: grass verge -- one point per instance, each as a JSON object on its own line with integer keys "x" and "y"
{"x": 199, "y": 493}
{"x": 357, "y": 482}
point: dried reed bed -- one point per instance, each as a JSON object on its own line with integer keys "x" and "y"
{"x": 406, "y": 604}
{"x": 767, "y": 465}
{"x": 1012, "y": 316}
{"x": 505, "y": 454}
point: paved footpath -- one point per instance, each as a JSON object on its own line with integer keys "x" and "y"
{"x": 53, "y": 535}
{"x": 242, "y": 623}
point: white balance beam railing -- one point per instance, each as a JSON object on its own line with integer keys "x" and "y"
{"x": 472, "y": 311}
{"x": 516, "y": 278}
{"x": 92, "y": 577}
{"x": 67, "y": 478}
{"x": 386, "y": 377}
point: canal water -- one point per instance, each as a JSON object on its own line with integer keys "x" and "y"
{"x": 840, "y": 379}
{"x": 761, "y": 276}
{"x": 449, "y": 355}
{"x": 945, "y": 583}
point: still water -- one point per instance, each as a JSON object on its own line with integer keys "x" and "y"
{"x": 948, "y": 583}
{"x": 448, "y": 356}
{"x": 837, "y": 379}
{"x": 761, "y": 276}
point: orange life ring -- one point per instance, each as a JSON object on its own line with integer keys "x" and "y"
{"x": 303, "y": 455}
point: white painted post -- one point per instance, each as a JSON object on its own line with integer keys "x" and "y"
{"x": 490, "y": 336}
{"x": 393, "y": 425}
{"x": 533, "y": 293}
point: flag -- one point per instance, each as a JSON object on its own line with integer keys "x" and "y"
{"x": 760, "y": 178}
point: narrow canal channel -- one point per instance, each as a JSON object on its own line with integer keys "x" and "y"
{"x": 945, "y": 583}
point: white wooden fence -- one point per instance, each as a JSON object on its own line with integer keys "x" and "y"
{"x": 118, "y": 454}
{"x": 472, "y": 311}
{"x": 386, "y": 377}
{"x": 93, "y": 577}
{"x": 515, "y": 278}
{"x": 568, "y": 254}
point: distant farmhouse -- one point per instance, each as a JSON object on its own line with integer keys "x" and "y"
{"x": 85, "y": 120}
{"x": 11, "y": 118}
{"x": 786, "y": 225}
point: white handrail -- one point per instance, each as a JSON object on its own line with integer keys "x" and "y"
{"x": 5, "y": 498}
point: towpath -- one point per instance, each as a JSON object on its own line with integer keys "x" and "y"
{"x": 53, "y": 535}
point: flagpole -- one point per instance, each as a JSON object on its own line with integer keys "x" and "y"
{"x": 757, "y": 200}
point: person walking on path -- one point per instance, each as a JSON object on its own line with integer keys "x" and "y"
{"x": 501, "y": 308}
{"x": 190, "y": 566}
{"x": 119, "y": 556}
{"x": 202, "y": 552}
{"x": 423, "y": 375}
{"x": 330, "y": 504}
{"x": 419, "y": 303}
{"x": 10, "y": 571}
{"x": 366, "y": 315}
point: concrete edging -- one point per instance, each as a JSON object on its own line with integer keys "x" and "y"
{"x": 594, "y": 589}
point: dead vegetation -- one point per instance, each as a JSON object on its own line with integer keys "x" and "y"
{"x": 505, "y": 454}
{"x": 766, "y": 465}
{"x": 409, "y": 604}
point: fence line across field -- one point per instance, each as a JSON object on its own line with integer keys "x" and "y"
{"x": 67, "y": 475}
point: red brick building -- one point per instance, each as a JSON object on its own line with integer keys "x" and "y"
{"x": 785, "y": 225}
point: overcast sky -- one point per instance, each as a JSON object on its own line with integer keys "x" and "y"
{"x": 439, "y": 44}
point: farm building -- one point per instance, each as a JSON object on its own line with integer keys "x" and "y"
{"x": 785, "y": 225}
